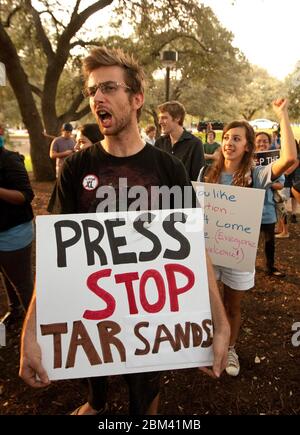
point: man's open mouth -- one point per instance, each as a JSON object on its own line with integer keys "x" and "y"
{"x": 105, "y": 118}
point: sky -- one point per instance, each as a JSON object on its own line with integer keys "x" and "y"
{"x": 266, "y": 31}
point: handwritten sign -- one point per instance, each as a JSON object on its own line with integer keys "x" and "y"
{"x": 263, "y": 158}
{"x": 122, "y": 293}
{"x": 232, "y": 217}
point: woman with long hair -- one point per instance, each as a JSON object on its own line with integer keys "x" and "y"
{"x": 235, "y": 166}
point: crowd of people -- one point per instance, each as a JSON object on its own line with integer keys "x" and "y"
{"x": 113, "y": 148}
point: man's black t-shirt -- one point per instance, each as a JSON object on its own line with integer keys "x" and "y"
{"x": 92, "y": 179}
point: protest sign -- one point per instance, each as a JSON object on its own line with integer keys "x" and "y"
{"x": 122, "y": 293}
{"x": 232, "y": 217}
{"x": 263, "y": 158}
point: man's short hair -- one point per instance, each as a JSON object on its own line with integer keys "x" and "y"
{"x": 134, "y": 76}
{"x": 67, "y": 127}
{"x": 175, "y": 109}
{"x": 210, "y": 132}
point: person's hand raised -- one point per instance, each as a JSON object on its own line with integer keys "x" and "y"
{"x": 280, "y": 106}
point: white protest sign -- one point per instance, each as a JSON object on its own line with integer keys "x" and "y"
{"x": 232, "y": 218}
{"x": 118, "y": 293}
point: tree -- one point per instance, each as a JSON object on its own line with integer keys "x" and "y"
{"x": 8, "y": 111}
{"x": 293, "y": 85}
{"x": 207, "y": 60}
{"x": 54, "y": 40}
{"x": 257, "y": 94}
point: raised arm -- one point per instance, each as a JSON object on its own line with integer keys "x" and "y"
{"x": 31, "y": 369}
{"x": 221, "y": 326}
{"x": 288, "y": 153}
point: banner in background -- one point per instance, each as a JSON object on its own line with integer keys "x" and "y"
{"x": 263, "y": 158}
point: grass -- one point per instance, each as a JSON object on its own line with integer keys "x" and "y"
{"x": 28, "y": 164}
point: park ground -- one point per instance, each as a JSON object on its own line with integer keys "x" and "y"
{"x": 270, "y": 364}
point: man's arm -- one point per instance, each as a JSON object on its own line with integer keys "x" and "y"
{"x": 31, "y": 369}
{"x": 221, "y": 333}
{"x": 213, "y": 156}
{"x": 54, "y": 154}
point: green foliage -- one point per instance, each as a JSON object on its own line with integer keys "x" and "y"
{"x": 254, "y": 98}
{"x": 212, "y": 78}
{"x": 28, "y": 164}
{"x": 293, "y": 86}
{"x": 9, "y": 108}
{"x": 207, "y": 60}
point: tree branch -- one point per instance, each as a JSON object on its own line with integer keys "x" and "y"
{"x": 76, "y": 22}
{"x": 55, "y": 20}
{"x": 187, "y": 36}
{"x": 75, "y": 116}
{"x": 10, "y": 16}
{"x": 82, "y": 112}
{"x": 36, "y": 90}
{"x": 74, "y": 106}
{"x": 57, "y": 63}
{"x": 42, "y": 37}
{"x": 76, "y": 7}
{"x": 81, "y": 43}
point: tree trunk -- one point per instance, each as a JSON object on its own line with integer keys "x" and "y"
{"x": 43, "y": 168}
{"x": 39, "y": 146}
{"x": 35, "y": 123}
{"x": 151, "y": 111}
